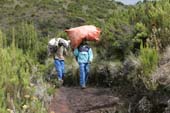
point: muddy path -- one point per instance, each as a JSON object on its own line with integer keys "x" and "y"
{"x": 90, "y": 100}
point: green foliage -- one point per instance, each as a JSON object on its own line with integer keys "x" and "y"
{"x": 149, "y": 61}
{"x": 27, "y": 38}
{"x": 116, "y": 21}
{"x": 140, "y": 33}
{"x": 24, "y": 44}
{"x": 15, "y": 75}
{"x": 51, "y": 90}
{"x": 15, "y": 70}
{"x": 3, "y": 42}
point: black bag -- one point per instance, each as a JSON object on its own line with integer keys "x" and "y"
{"x": 83, "y": 48}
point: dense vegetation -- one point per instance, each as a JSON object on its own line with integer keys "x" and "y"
{"x": 18, "y": 67}
{"x": 140, "y": 31}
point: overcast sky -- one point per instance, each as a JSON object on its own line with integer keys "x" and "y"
{"x": 129, "y": 2}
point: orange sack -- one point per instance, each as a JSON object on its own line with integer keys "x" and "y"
{"x": 77, "y": 34}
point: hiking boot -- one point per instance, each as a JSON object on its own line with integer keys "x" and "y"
{"x": 61, "y": 82}
{"x": 83, "y": 87}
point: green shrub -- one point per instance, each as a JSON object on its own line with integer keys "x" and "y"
{"x": 149, "y": 61}
{"x": 16, "y": 69}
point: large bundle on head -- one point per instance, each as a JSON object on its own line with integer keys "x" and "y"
{"x": 52, "y": 46}
{"x": 55, "y": 42}
{"x": 77, "y": 34}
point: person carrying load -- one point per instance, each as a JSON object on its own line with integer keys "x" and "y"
{"x": 84, "y": 57}
{"x": 82, "y": 51}
{"x": 57, "y": 47}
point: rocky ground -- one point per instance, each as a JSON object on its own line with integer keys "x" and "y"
{"x": 90, "y": 100}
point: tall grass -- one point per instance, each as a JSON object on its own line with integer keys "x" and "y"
{"x": 17, "y": 60}
{"x": 27, "y": 38}
{"x": 149, "y": 60}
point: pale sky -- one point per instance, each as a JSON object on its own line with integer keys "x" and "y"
{"x": 129, "y": 2}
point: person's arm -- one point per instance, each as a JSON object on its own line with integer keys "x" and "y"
{"x": 90, "y": 52}
{"x": 65, "y": 51}
{"x": 76, "y": 52}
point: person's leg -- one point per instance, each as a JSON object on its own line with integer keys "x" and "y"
{"x": 82, "y": 75}
{"x": 58, "y": 69}
{"x": 87, "y": 71}
{"x": 62, "y": 68}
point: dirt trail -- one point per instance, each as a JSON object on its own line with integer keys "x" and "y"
{"x": 90, "y": 100}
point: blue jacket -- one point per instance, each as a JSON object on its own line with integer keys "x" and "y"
{"x": 83, "y": 54}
